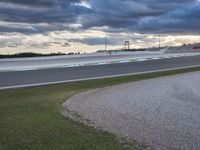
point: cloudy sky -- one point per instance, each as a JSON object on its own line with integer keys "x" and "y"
{"x": 81, "y": 25}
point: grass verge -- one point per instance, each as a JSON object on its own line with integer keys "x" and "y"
{"x": 30, "y": 118}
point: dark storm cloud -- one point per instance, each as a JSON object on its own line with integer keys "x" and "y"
{"x": 46, "y": 3}
{"x": 40, "y": 3}
{"x": 37, "y": 11}
{"x": 145, "y": 16}
{"x": 184, "y": 20}
{"x": 55, "y": 14}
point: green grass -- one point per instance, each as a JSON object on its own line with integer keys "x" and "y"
{"x": 30, "y": 118}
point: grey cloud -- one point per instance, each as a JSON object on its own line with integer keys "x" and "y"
{"x": 141, "y": 15}
{"x": 183, "y": 21}
{"x": 14, "y": 42}
{"x": 60, "y": 11}
{"x": 56, "y": 14}
{"x": 144, "y": 16}
{"x": 40, "y": 3}
{"x": 113, "y": 39}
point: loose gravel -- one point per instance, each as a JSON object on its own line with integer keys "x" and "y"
{"x": 162, "y": 112}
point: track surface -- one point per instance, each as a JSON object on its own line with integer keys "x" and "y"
{"x": 19, "y": 64}
{"x": 47, "y": 76}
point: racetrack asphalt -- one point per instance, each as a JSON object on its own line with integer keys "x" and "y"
{"x": 16, "y": 79}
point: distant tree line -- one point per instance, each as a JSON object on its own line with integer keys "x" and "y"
{"x": 126, "y": 50}
{"x": 30, "y": 54}
{"x": 139, "y": 49}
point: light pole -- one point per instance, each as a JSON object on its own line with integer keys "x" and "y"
{"x": 106, "y": 42}
{"x": 159, "y": 41}
{"x": 106, "y": 45}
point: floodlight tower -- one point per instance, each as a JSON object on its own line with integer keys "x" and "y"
{"x": 127, "y": 45}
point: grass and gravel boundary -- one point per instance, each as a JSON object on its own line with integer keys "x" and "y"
{"x": 30, "y": 118}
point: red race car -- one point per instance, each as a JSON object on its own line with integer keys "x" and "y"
{"x": 196, "y": 47}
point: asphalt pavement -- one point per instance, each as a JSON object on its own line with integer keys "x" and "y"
{"x": 14, "y": 79}
{"x": 35, "y": 63}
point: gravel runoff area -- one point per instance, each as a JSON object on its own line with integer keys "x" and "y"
{"x": 162, "y": 112}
